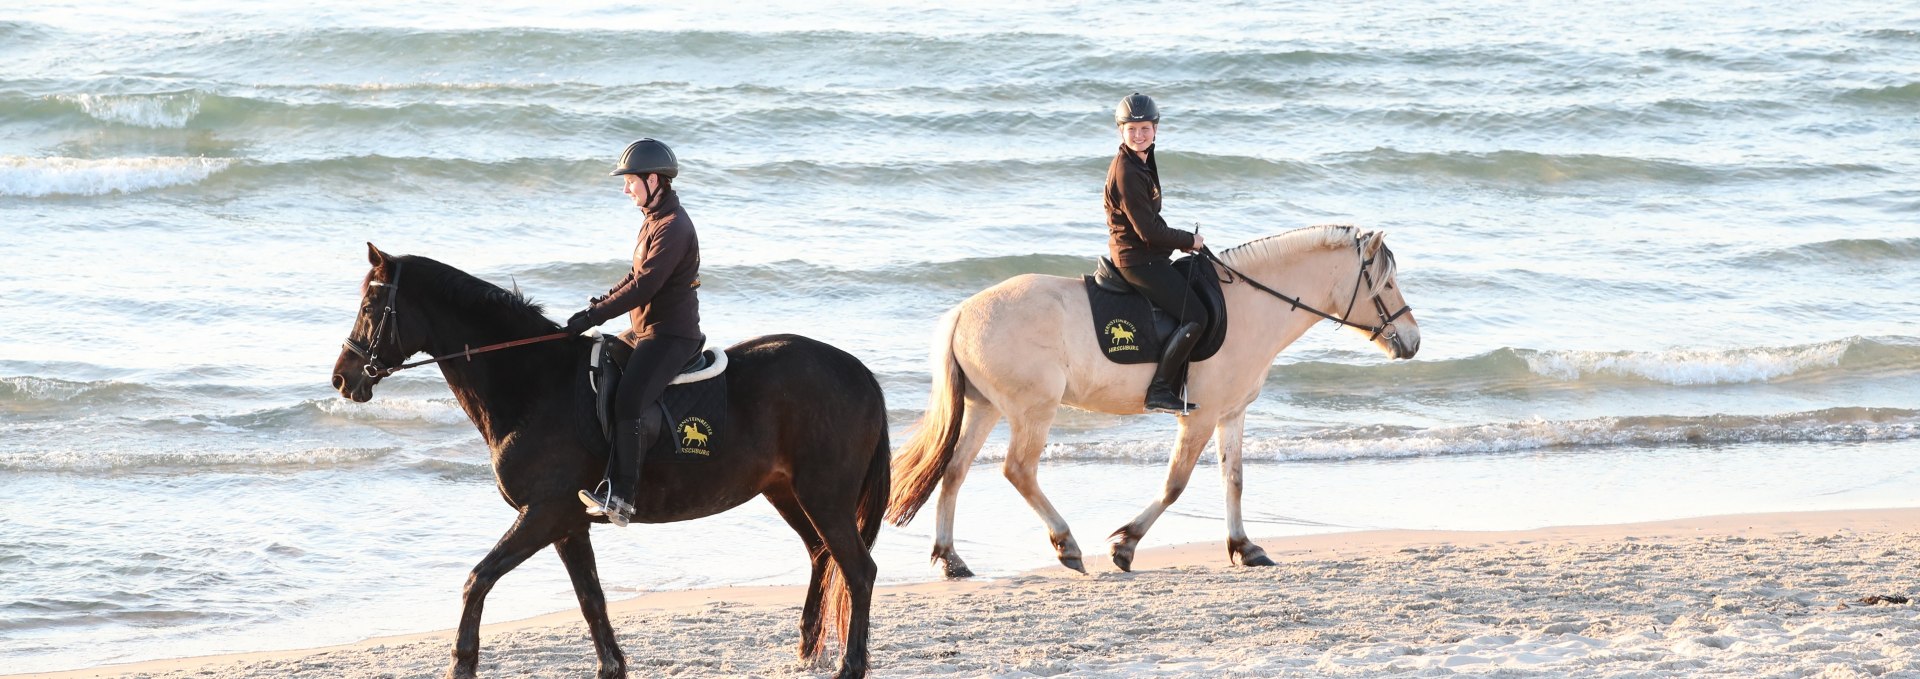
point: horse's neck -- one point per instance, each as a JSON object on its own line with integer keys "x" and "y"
{"x": 1316, "y": 277}
{"x": 494, "y": 389}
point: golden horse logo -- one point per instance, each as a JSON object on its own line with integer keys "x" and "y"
{"x": 691, "y": 436}
{"x": 1121, "y": 335}
{"x": 694, "y": 433}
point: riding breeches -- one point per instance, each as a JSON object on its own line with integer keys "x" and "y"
{"x": 656, "y": 361}
{"x": 1168, "y": 290}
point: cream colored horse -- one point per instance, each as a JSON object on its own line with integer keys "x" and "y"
{"x": 1022, "y": 348}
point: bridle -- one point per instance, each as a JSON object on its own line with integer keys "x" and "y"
{"x": 1384, "y": 329}
{"x": 374, "y": 368}
{"x": 390, "y": 319}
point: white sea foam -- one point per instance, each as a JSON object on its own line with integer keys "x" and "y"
{"x": 159, "y": 111}
{"x": 1689, "y": 366}
{"x": 1839, "y": 425}
{"x": 435, "y": 411}
{"x": 185, "y": 457}
{"x": 21, "y": 176}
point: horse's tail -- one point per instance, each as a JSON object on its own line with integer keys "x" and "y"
{"x": 923, "y": 460}
{"x": 836, "y": 601}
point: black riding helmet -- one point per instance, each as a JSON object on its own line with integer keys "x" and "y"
{"x": 647, "y": 156}
{"x": 1136, "y": 108}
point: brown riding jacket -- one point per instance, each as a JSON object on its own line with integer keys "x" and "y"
{"x": 1136, "y": 234}
{"x": 659, "y": 296}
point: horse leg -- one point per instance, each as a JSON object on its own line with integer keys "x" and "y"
{"x": 1029, "y": 435}
{"x": 789, "y": 508}
{"x": 1192, "y": 439}
{"x": 576, "y": 551}
{"x": 841, "y": 532}
{"x": 536, "y": 527}
{"x": 1239, "y": 548}
{"x": 975, "y": 424}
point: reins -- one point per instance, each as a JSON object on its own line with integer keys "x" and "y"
{"x": 370, "y": 350}
{"x": 1366, "y": 263}
{"x": 468, "y": 354}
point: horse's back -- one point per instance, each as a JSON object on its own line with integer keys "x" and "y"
{"x": 1029, "y": 340}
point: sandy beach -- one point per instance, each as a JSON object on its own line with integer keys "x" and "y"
{"x": 1815, "y": 594}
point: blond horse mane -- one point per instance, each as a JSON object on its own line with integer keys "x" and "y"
{"x": 1281, "y": 245}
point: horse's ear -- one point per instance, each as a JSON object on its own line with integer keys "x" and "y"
{"x": 375, "y": 256}
{"x": 1375, "y": 239}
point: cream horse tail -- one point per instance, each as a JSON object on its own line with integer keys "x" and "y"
{"x": 918, "y": 466}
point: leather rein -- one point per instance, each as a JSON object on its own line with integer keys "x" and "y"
{"x": 388, "y": 318}
{"x": 1366, "y": 276}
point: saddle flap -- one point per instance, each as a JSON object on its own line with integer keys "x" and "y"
{"x": 1107, "y": 276}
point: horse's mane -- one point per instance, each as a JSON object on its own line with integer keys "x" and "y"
{"x": 1309, "y": 238}
{"x": 472, "y": 298}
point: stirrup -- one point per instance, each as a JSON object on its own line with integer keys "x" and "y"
{"x": 1175, "y": 411}
{"x": 615, "y": 510}
{"x": 1180, "y": 410}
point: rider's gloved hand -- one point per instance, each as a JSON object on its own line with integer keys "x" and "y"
{"x": 580, "y": 322}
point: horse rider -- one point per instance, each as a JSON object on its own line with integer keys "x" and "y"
{"x": 1142, "y": 244}
{"x": 660, "y": 300}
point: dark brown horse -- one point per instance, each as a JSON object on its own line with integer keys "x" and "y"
{"x": 810, "y": 434}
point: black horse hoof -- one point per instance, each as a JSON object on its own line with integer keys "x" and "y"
{"x": 1073, "y": 562}
{"x": 1260, "y": 560}
{"x": 955, "y": 570}
{"x": 1123, "y": 561}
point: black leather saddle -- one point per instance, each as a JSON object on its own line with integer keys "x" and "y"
{"x": 1120, "y": 312}
{"x": 609, "y": 359}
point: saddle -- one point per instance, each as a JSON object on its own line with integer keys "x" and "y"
{"x": 694, "y": 405}
{"x": 1132, "y": 330}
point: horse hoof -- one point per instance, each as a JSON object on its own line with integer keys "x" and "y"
{"x": 956, "y": 570}
{"x": 1260, "y": 560}
{"x": 1073, "y": 562}
{"x": 1123, "y": 561}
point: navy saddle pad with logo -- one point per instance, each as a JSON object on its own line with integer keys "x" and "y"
{"x": 695, "y": 403}
{"x": 1131, "y": 330}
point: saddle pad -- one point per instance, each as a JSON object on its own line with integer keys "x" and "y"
{"x": 696, "y": 421}
{"x": 1123, "y": 324}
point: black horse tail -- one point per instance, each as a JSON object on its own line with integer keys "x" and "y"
{"x": 924, "y": 459}
{"x": 835, "y": 599}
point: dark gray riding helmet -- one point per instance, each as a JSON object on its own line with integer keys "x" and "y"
{"x": 1136, "y": 108}
{"x": 647, "y": 156}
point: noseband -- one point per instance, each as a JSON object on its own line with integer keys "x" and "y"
{"x": 1385, "y": 328}
{"x": 1379, "y": 307}
{"x": 388, "y": 318}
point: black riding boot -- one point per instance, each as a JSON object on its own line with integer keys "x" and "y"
{"x": 1160, "y": 394}
{"x": 614, "y": 498}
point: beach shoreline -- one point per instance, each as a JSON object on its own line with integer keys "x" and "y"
{"x": 1736, "y": 594}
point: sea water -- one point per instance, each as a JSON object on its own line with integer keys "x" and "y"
{"x": 1663, "y": 258}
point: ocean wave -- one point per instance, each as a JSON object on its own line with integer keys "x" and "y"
{"x": 1685, "y": 367}
{"x": 799, "y": 279}
{"x": 438, "y": 411}
{"x": 421, "y": 173}
{"x": 190, "y": 458}
{"x": 1876, "y": 356}
{"x": 159, "y": 111}
{"x": 1904, "y": 95}
{"x": 27, "y": 393}
{"x": 1844, "y": 251}
{"x": 1543, "y": 168}
{"x": 1891, "y": 34}
{"x": 36, "y": 177}
{"x": 1833, "y": 425}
